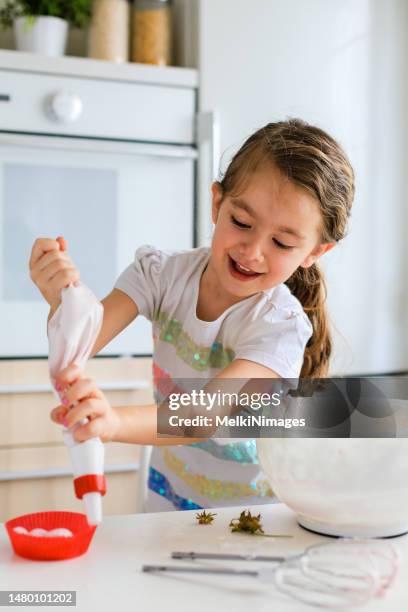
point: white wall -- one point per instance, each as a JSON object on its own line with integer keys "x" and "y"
{"x": 340, "y": 64}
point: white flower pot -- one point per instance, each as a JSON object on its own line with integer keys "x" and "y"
{"x": 44, "y": 35}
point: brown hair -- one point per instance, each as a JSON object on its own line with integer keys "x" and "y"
{"x": 313, "y": 160}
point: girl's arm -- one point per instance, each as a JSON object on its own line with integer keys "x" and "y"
{"x": 119, "y": 310}
{"x": 51, "y": 269}
{"x": 135, "y": 424}
{"x": 138, "y": 424}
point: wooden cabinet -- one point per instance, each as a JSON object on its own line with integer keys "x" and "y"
{"x": 35, "y": 471}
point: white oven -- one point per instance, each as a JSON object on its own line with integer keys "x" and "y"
{"x": 108, "y": 163}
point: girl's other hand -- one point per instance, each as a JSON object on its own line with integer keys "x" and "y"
{"x": 90, "y": 403}
{"x": 51, "y": 269}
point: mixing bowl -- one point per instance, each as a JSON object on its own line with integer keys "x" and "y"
{"x": 341, "y": 486}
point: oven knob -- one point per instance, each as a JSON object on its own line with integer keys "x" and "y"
{"x": 64, "y": 107}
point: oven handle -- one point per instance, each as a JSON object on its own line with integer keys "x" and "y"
{"x": 97, "y": 145}
{"x": 119, "y": 385}
{"x": 208, "y": 141}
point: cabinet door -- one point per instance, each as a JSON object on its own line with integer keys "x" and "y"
{"x": 26, "y": 398}
{"x": 39, "y": 478}
{"x": 35, "y": 470}
{"x": 24, "y": 496}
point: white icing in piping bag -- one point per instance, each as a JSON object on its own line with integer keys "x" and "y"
{"x": 72, "y": 332}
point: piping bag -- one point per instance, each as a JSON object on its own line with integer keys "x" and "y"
{"x": 72, "y": 332}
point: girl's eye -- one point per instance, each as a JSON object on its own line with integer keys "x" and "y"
{"x": 280, "y": 245}
{"x": 239, "y": 224}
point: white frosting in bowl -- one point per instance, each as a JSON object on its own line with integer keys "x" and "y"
{"x": 357, "y": 483}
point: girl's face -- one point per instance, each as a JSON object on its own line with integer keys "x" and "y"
{"x": 263, "y": 235}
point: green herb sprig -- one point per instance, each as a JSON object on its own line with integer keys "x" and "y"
{"x": 246, "y": 523}
{"x": 205, "y": 518}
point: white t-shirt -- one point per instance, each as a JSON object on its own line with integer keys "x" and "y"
{"x": 269, "y": 328}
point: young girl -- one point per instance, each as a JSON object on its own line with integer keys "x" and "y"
{"x": 251, "y": 306}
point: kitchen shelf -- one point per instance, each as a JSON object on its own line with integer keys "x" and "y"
{"x": 171, "y": 76}
{"x": 58, "y": 472}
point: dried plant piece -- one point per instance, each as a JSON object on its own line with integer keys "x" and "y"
{"x": 205, "y": 518}
{"x": 247, "y": 523}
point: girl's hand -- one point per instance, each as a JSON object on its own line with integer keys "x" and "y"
{"x": 91, "y": 403}
{"x": 51, "y": 269}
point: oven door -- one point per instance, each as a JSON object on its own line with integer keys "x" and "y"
{"x": 106, "y": 198}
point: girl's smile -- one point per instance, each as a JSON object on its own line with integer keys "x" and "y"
{"x": 241, "y": 272}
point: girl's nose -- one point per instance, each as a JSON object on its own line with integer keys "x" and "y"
{"x": 251, "y": 251}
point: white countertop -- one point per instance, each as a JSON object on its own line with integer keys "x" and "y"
{"x": 109, "y": 577}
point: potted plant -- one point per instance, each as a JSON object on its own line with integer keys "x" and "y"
{"x": 41, "y": 26}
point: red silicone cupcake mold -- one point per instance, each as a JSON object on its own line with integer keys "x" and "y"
{"x": 51, "y": 549}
